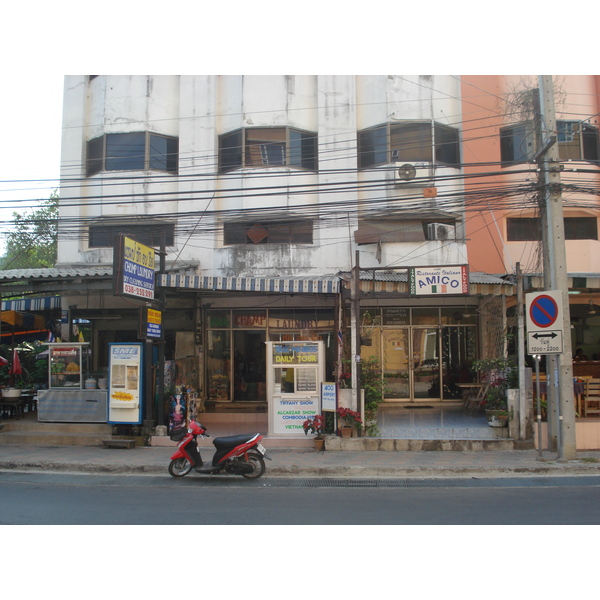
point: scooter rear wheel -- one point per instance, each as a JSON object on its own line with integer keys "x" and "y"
{"x": 258, "y": 462}
{"x": 180, "y": 467}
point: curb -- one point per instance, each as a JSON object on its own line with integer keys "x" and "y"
{"x": 327, "y": 472}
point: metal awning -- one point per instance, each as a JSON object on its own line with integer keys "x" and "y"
{"x": 292, "y": 285}
{"x": 379, "y": 281}
{"x": 25, "y": 304}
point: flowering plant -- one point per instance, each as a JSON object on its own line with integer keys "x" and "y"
{"x": 314, "y": 425}
{"x": 345, "y": 380}
{"x": 349, "y": 417}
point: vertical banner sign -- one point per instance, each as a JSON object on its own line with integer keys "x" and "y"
{"x": 125, "y": 383}
{"x": 135, "y": 269}
{"x": 328, "y": 396}
{"x": 150, "y": 324}
{"x": 439, "y": 281}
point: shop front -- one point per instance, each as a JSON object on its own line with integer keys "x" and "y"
{"x": 423, "y": 352}
{"x": 236, "y": 353}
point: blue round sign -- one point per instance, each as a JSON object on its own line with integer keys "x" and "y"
{"x": 543, "y": 311}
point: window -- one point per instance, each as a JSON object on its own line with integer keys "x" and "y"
{"x": 268, "y": 147}
{"x": 530, "y": 229}
{"x": 280, "y": 232}
{"x": 149, "y": 234}
{"x": 408, "y": 142}
{"x": 132, "y": 152}
{"x": 577, "y": 141}
{"x": 517, "y": 143}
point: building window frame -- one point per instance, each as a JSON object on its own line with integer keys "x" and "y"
{"x": 576, "y": 141}
{"x": 105, "y": 235}
{"x": 299, "y": 231}
{"x": 529, "y": 229}
{"x": 268, "y": 147}
{"x": 132, "y": 151}
{"x": 409, "y": 141}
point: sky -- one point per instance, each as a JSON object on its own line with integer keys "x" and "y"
{"x": 39, "y": 46}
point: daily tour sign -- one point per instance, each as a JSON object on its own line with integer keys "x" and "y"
{"x": 134, "y": 268}
{"x": 438, "y": 281}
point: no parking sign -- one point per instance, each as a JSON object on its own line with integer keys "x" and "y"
{"x": 544, "y": 322}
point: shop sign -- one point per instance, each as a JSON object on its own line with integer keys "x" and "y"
{"x": 150, "y": 324}
{"x": 134, "y": 269}
{"x": 328, "y": 396}
{"x": 290, "y": 413}
{"x": 300, "y": 324}
{"x": 438, "y": 281}
{"x": 288, "y": 354}
{"x": 249, "y": 320}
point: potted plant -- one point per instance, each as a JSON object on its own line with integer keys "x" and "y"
{"x": 499, "y": 374}
{"x": 349, "y": 420}
{"x": 316, "y": 425}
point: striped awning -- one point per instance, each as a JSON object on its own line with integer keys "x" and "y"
{"x": 293, "y": 285}
{"x": 23, "y": 304}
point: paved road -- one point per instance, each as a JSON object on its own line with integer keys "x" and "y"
{"x": 67, "y": 498}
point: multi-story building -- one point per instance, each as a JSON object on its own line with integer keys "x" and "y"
{"x": 278, "y": 201}
{"x": 502, "y": 182}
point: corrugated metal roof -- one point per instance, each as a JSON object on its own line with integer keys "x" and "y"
{"x": 60, "y": 273}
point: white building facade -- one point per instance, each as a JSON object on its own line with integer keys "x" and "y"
{"x": 265, "y": 192}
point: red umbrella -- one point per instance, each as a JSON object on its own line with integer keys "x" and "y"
{"x": 15, "y": 367}
{"x": 3, "y": 361}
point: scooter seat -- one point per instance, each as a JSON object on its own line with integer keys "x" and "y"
{"x": 231, "y": 441}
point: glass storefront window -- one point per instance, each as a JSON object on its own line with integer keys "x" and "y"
{"x": 396, "y": 316}
{"x": 250, "y": 319}
{"x": 217, "y": 319}
{"x": 459, "y": 315}
{"x": 425, "y": 316}
{"x": 218, "y": 365}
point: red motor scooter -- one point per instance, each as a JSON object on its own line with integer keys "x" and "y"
{"x": 236, "y": 455}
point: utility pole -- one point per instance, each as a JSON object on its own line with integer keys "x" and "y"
{"x": 557, "y": 263}
{"x": 522, "y": 401}
{"x": 355, "y": 333}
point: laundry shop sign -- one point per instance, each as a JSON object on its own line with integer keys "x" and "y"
{"x": 439, "y": 281}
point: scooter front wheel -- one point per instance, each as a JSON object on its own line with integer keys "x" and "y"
{"x": 258, "y": 462}
{"x": 180, "y": 467}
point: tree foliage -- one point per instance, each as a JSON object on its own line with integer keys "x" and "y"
{"x": 32, "y": 242}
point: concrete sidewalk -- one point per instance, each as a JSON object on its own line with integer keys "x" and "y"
{"x": 307, "y": 462}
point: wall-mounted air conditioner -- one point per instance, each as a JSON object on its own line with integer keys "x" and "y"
{"x": 413, "y": 174}
{"x": 441, "y": 231}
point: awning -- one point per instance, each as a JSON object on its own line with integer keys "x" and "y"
{"x": 23, "y": 320}
{"x": 24, "y": 304}
{"x": 292, "y": 285}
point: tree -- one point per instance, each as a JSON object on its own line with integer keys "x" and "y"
{"x": 32, "y": 243}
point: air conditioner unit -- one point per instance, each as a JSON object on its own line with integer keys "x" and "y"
{"x": 441, "y": 231}
{"x": 413, "y": 174}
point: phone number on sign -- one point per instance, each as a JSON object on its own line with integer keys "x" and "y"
{"x": 136, "y": 291}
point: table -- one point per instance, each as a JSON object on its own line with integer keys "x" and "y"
{"x": 13, "y": 407}
{"x": 472, "y": 394}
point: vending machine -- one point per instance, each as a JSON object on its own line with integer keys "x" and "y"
{"x": 295, "y": 371}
